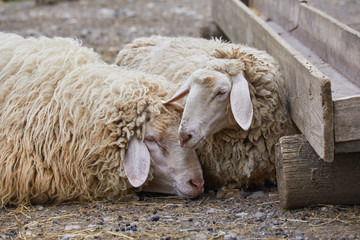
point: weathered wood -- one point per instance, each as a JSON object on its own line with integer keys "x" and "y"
{"x": 340, "y": 86}
{"x": 347, "y": 147}
{"x": 346, "y": 109}
{"x": 304, "y": 179}
{"x": 347, "y": 119}
{"x": 338, "y": 45}
{"x": 333, "y": 41}
{"x": 284, "y": 12}
{"x": 322, "y": 39}
{"x": 308, "y": 90}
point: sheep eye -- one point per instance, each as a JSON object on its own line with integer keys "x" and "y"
{"x": 150, "y": 139}
{"x": 221, "y": 92}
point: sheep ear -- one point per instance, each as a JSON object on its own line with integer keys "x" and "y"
{"x": 240, "y": 101}
{"x": 180, "y": 93}
{"x": 137, "y": 162}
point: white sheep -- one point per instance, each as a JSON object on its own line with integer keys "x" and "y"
{"x": 233, "y": 101}
{"x": 75, "y": 128}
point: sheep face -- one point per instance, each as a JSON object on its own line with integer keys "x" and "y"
{"x": 176, "y": 170}
{"x": 208, "y": 93}
{"x": 214, "y": 100}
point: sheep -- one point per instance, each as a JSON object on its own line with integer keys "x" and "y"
{"x": 234, "y": 102}
{"x": 73, "y": 127}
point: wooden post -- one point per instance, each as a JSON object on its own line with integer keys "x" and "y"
{"x": 304, "y": 179}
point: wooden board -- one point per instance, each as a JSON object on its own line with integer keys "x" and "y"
{"x": 333, "y": 48}
{"x": 336, "y": 43}
{"x": 340, "y": 86}
{"x": 308, "y": 90}
{"x": 333, "y": 41}
{"x": 347, "y": 119}
{"x": 286, "y": 14}
{"x": 347, "y": 147}
{"x": 346, "y": 109}
{"x": 303, "y": 179}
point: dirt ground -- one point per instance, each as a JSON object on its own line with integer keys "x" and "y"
{"x": 106, "y": 26}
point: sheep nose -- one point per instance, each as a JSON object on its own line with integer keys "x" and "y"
{"x": 184, "y": 138}
{"x": 198, "y": 185}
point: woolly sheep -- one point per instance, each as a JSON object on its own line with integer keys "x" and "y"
{"x": 75, "y": 128}
{"x": 233, "y": 101}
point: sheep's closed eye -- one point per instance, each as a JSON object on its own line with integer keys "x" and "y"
{"x": 152, "y": 140}
{"x": 220, "y": 93}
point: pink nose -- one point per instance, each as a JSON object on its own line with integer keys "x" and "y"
{"x": 198, "y": 185}
{"x": 184, "y": 139}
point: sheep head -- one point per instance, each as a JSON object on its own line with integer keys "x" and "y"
{"x": 175, "y": 170}
{"x": 217, "y": 94}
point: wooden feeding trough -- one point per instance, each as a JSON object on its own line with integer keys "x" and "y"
{"x": 320, "y": 61}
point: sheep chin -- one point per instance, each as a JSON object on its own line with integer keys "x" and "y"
{"x": 194, "y": 144}
{"x": 187, "y": 191}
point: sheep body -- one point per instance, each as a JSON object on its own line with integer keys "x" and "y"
{"x": 232, "y": 157}
{"x": 66, "y": 119}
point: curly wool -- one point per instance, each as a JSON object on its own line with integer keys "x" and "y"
{"x": 66, "y": 118}
{"x": 232, "y": 158}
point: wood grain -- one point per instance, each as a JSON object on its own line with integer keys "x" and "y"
{"x": 333, "y": 41}
{"x": 304, "y": 179}
{"x": 284, "y": 12}
{"x": 328, "y": 44}
{"x": 347, "y": 119}
{"x": 347, "y": 147}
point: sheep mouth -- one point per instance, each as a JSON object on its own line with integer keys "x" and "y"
{"x": 193, "y": 144}
{"x": 187, "y": 194}
{"x": 190, "y": 192}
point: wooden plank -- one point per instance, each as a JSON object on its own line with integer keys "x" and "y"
{"x": 341, "y": 87}
{"x": 346, "y": 11}
{"x": 347, "y": 147}
{"x": 346, "y": 109}
{"x": 308, "y": 90}
{"x": 347, "y": 115}
{"x": 313, "y": 29}
{"x": 286, "y": 13}
{"x": 333, "y": 41}
{"x": 303, "y": 179}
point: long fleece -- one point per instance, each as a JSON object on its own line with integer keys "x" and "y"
{"x": 66, "y": 118}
